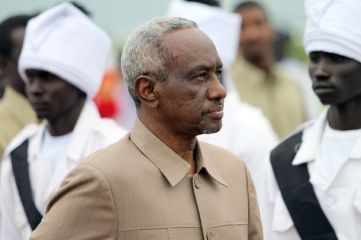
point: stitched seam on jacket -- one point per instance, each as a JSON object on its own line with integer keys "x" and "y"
{"x": 177, "y": 226}
{"x": 111, "y": 196}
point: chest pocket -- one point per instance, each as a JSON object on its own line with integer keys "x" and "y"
{"x": 150, "y": 234}
{"x": 236, "y": 232}
{"x": 170, "y": 233}
{"x": 281, "y": 221}
{"x": 229, "y": 232}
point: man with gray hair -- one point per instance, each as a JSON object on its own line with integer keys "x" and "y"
{"x": 159, "y": 182}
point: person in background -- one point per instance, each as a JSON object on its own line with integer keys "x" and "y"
{"x": 15, "y": 110}
{"x": 299, "y": 72}
{"x": 258, "y": 79}
{"x": 313, "y": 180}
{"x": 245, "y": 130}
{"x": 159, "y": 182}
{"x": 62, "y": 62}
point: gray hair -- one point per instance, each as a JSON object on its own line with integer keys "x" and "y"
{"x": 145, "y": 53}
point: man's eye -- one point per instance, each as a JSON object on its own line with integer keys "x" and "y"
{"x": 313, "y": 58}
{"x": 203, "y": 75}
{"x": 219, "y": 73}
{"x": 337, "y": 58}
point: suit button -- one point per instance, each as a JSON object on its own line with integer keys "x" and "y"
{"x": 211, "y": 236}
{"x": 197, "y": 183}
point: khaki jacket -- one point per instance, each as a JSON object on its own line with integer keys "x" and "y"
{"x": 15, "y": 113}
{"x": 138, "y": 188}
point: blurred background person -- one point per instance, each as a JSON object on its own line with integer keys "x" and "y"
{"x": 245, "y": 130}
{"x": 258, "y": 79}
{"x": 299, "y": 72}
{"x": 62, "y": 62}
{"x": 15, "y": 110}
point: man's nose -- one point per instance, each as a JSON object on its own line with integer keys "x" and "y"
{"x": 322, "y": 71}
{"x": 217, "y": 90}
{"x": 34, "y": 86}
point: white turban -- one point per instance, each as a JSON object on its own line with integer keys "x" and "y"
{"x": 334, "y": 26}
{"x": 65, "y": 42}
{"x": 222, "y": 27}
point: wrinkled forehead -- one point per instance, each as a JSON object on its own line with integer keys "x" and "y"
{"x": 190, "y": 43}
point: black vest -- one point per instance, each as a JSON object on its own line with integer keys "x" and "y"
{"x": 298, "y": 193}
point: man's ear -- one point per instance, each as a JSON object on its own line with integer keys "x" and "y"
{"x": 146, "y": 91}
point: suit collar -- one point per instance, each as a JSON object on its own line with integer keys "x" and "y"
{"x": 172, "y": 166}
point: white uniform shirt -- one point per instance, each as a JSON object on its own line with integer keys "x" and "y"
{"x": 54, "y": 154}
{"x": 339, "y": 193}
{"x": 90, "y": 134}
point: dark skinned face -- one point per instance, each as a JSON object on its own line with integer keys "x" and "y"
{"x": 11, "y": 65}
{"x": 336, "y": 79}
{"x": 191, "y": 98}
{"x": 50, "y": 96}
{"x": 256, "y": 34}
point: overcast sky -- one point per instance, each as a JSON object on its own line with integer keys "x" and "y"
{"x": 119, "y": 17}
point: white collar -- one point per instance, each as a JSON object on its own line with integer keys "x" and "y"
{"x": 85, "y": 122}
{"x": 311, "y": 141}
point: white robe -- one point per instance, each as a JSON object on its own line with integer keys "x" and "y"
{"x": 90, "y": 134}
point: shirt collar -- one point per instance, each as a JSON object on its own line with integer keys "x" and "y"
{"x": 85, "y": 126}
{"x": 79, "y": 136}
{"x": 172, "y": 166}
{"x": 311, "y": 140}
{"x": 207, "y": 161}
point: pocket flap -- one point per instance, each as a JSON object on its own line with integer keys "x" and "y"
{"x": 281, "y": 218}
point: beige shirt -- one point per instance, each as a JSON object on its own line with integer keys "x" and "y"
{"x": 15, "y": 113}
{"x": 138, "y": 188}
{"x": 279, "y": 97}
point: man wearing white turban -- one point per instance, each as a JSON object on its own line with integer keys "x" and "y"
{"x": 313, "y": 179}
{"x": 62, "y": 63}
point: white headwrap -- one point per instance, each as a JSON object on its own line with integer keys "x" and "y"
{"x": 334, "y": 26}
{"x": 222, "y": 27}
{"x": 65, "y": 42}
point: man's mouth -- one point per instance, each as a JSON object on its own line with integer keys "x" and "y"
{"x": 216, "y": 113}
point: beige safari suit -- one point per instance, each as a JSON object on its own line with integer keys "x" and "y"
{"x": 138, "y": 188}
